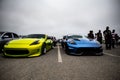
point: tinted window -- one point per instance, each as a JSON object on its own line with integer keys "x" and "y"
{"x": 15, "y": 35}
{"x": 7, "y": 35}
{"x": 36, "y": 36}
{"x": 75, "y": 36}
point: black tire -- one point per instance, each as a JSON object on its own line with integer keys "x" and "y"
{"x": 43, "y": 49}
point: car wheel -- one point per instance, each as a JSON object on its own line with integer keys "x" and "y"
{"x": 44, "y": 49}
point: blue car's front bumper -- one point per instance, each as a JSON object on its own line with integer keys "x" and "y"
{"x": 76, "y": 49}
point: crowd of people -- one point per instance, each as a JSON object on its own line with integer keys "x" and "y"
{"x": 110, "y": 38}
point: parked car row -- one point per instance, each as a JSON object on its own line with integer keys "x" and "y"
{"x": 33, "y": 45}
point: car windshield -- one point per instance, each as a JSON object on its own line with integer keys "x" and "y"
{"x": 75, "y": 36}
{"x": 35, "y": 36}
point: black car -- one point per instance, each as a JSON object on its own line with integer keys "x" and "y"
{"x": 5, "y": 37}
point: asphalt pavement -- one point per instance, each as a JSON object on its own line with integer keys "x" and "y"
{"x": 56, "y": 65}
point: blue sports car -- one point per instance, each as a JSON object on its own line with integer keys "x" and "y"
{"x": 79, "y": 45}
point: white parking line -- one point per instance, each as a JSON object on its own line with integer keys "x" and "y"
{"x": 59, "y": 55}
{"x": 111, "y": 55}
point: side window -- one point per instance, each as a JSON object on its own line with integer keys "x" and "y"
{"x": 7, "y": 35}
{"x": 15, "y": 35}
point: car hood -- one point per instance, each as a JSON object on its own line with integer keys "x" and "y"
{"x": 85, "y": 42}
{"x": 24, "y": 41}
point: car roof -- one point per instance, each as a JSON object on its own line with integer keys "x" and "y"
{"x": 36, "y": 34}
{"x": 6, "y": 32}
{"x": 73, "y": 35}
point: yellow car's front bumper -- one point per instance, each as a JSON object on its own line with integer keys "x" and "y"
{"x": 28, "y": 51}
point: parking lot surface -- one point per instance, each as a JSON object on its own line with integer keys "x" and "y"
{"x": 56, "y": 65}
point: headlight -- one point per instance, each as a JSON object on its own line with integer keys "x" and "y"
{"x": 72, "y": 41}
{"x": 35, "y": 42}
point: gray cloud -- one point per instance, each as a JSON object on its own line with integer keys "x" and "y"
{"x": 58, "y": 17}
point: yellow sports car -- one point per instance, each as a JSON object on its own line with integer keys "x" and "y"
{"x": 30, "y": 46}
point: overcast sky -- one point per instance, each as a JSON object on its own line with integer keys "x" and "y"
{"x": 59, "y": 17}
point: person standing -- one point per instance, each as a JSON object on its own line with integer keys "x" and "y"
{"x": 91, "y": 35}
{"x": 99, "y": 36}
{"x": 116, "y": 39}
{"x": 108, "y": 37}
{"x": 113, "y": 38}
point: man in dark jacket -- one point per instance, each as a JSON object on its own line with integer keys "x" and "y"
{"x": 99, "y": 36}
{"x": 91, "y": 35}
{"x": 113, "y": 38}
{"x": 116, "y": 39}
{"x": 108, "y": 37}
